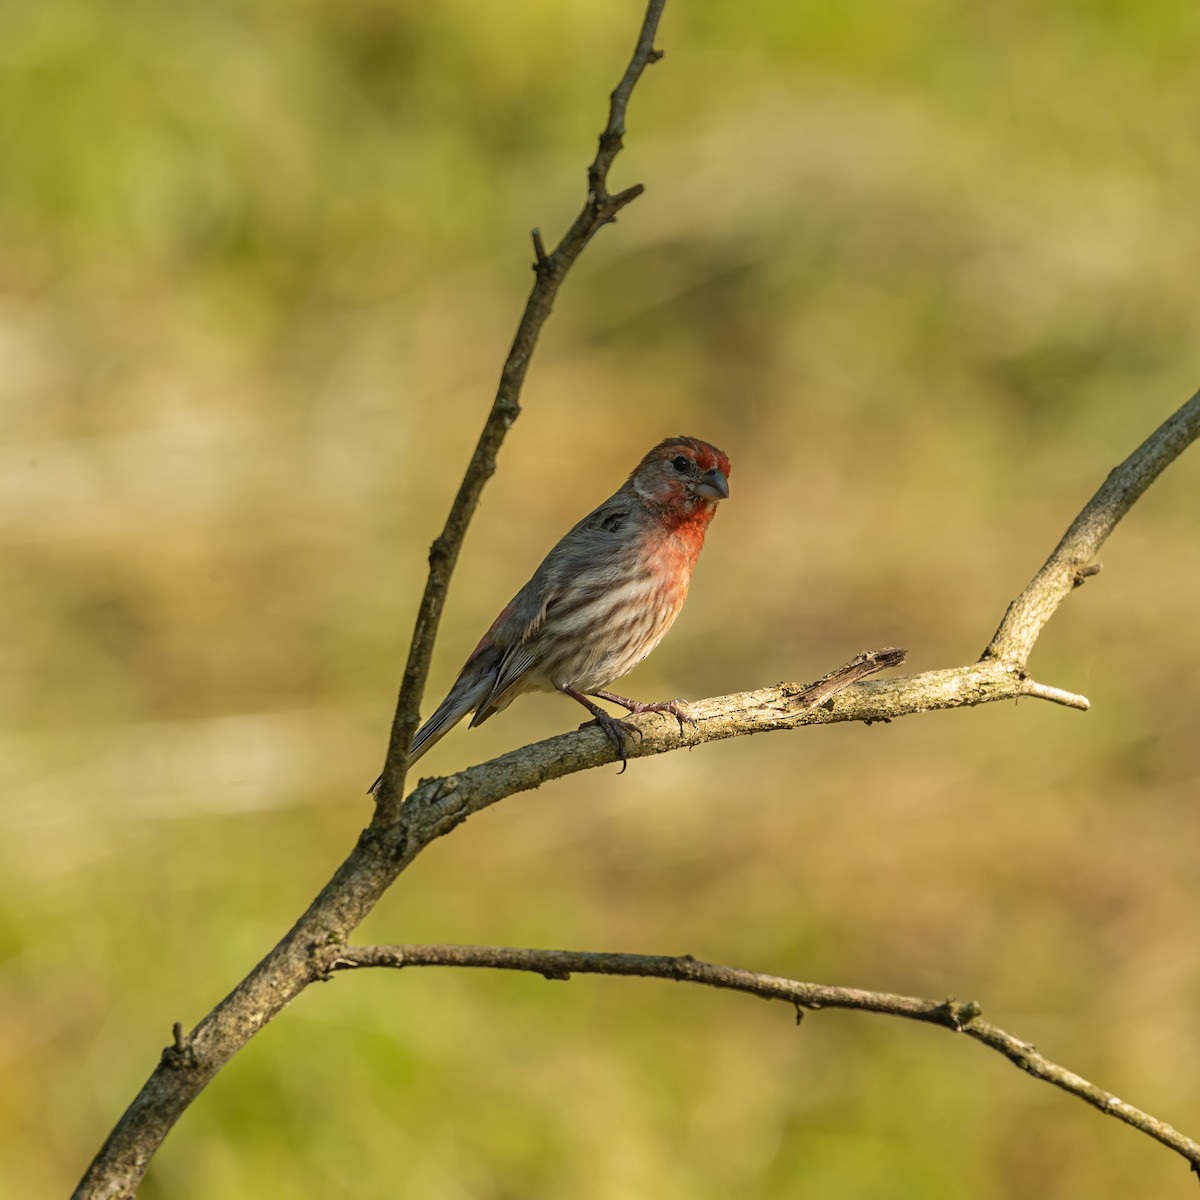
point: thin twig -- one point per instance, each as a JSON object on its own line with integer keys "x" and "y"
{"x": 540, "y": 257}
{"x": 955, "y": 1015}
{"x": 599, "y": 208}
{"x": 1043, "y": 691}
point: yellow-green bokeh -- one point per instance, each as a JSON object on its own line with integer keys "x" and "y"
{"x": 926, "y": 271}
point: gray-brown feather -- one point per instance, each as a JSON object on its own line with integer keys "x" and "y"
{"x": 544, "y": 636}
{"x": 595, "y": 607}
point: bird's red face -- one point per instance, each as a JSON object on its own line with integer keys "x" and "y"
{"x": 684, "y": 476}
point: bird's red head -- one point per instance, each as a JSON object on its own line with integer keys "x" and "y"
{"x": 684, "y": 478}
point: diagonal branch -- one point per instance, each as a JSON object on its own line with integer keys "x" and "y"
{"x": 957, "y": 1016}
{"x": 1070, "y": 563}
{"x": 438, "y": 806}
{"x": 599, "y": 209}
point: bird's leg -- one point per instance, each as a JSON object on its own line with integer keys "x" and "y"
{"x": 676, "y": 708}
{"x": 614, "y": 728}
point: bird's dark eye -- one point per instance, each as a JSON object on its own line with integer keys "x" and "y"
{"x": 681, "y": 464}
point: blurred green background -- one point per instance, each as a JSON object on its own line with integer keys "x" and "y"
{"x": 925, "y": 271}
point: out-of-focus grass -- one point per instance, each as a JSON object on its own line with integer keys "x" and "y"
{"x": 925, "y": 271}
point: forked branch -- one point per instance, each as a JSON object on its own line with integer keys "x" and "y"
{"x": 1071, "y": 564}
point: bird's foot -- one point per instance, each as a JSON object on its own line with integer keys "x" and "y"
{"x": 614, "y": 728}
{"x": 677, "y": 708}
{"x": 616, "y": 731}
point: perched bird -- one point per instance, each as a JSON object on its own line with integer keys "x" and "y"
{"x": 600, "y": 602}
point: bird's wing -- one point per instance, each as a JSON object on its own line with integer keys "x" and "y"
{"x": 476, "y": 682}
{"x": 462, "y": 698}
{"x": 518, "y": 636}
{"x": 577, "y": 564}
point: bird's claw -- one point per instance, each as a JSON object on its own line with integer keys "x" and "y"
{"x": 679, "y": 710}
{"x": 615, "y": 730}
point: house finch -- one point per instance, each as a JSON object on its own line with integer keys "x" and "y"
{"x": 600, "y": 602}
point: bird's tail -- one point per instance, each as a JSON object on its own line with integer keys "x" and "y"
{"x": 468, "y": 691}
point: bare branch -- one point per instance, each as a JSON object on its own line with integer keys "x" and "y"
{"x": 955, "y": 1015}
{"x": 372, "y": 866}
{"x": 437, "y": 806}
{"x": 1071, "y": 563}
{"x": 599, "y": 209}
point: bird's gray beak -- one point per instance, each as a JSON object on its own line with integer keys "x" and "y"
{"x": 713, "y": 486}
